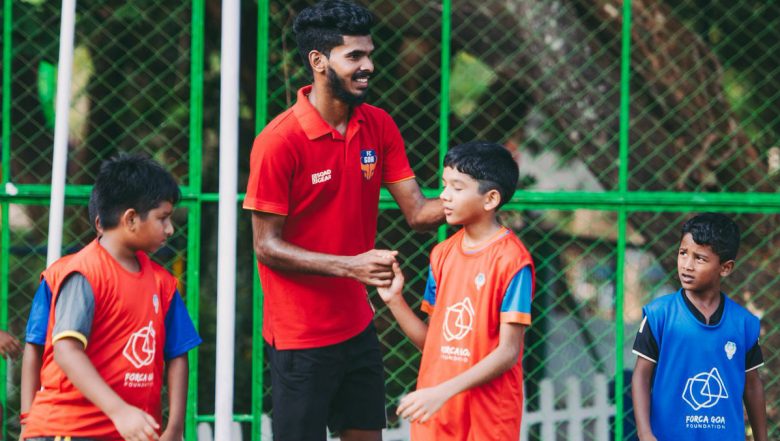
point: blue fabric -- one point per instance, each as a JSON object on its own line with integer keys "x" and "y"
{"x": 430, "y": 288}
{"x": 38, "y": 321}
{"x": 699, "y": 379}
{"x": 180, "y": 333}
{"x": 520, "y": 292}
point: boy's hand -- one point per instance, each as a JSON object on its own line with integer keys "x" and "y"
{"x": 422, "y": 404}
{"x": 373, "y": 268}
{"x": 396, "y": 286}
{"x": 135, "y": 425}
{"x": 9, "y": 346}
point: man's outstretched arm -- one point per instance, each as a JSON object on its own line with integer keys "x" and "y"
{"x": 374, "y": 267}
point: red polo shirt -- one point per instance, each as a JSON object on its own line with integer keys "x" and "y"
{"x": 328, "y": 187}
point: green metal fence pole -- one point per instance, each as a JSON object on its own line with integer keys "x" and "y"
{"x": 625, "y": 78}
{"x": 194, "y": 207}
{"x": 4, "y": 268}
{"x": 7, "y": 65}
{"x": 444, "y": 102}
{"x": 6, "y": 177}
{"x": 261, "y": 115}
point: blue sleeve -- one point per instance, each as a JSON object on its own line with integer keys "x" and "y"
{"x": 429, "y": 297}
{"x": 38, "y": 322}
{"x": 516, "y": 306}
{"x": 180, "y": 333}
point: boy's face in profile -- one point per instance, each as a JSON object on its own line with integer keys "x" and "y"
{"x": 150, "y": 232}
{"x": 699, "y": 267}
{"x": 462, "y": 201}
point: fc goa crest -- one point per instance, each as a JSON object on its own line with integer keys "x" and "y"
{"x": 368, "y": 163}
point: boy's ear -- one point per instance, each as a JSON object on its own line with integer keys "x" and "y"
{"x": 129, "y": 219}
{"x": 491, "y": 200}
{"x": 318, "y": 61}
{"x": 726, "y": 268}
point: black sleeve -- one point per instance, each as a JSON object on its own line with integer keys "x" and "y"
{"x": 645, "y": 345}
{"x": 754, "y": 358}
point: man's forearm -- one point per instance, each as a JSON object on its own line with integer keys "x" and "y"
{"x": 429, "y": 216}
{"x": 284, "y": 256}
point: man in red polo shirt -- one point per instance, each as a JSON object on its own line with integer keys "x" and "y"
{"x": 314, "y": 182}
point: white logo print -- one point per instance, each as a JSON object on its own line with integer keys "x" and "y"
{"x": 320, "y": 177}
{"x": 459, "y": 320}
{"x": 704, "y": 390}
{"x": 479, "y": 280}
{"x": 140, "y": 347}
{"x": 730, "y": 349}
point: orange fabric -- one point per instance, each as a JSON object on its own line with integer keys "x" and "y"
{"x": 126, "y": 344}
{"x": 464, "y": 329}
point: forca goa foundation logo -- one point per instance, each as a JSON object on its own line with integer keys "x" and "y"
{"x": 140, "y": 347}
{"x": 459, "y": 320}
{"x": 704, "y": 390}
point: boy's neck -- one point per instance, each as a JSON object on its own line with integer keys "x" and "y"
{"x": 112, "y": 242}
{"x": 706, "y": 302}
{"x": 477, "y": 233}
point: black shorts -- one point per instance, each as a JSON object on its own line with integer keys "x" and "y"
{"x": 340, "y": 386}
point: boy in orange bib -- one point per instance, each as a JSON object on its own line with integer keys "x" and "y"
{"x": 478, "y": 296}
{"x": 116, "y": 319}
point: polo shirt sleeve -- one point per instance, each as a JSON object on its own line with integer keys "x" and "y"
{"x": 271, "y": 166}
{"x": 74, "y": 310}
{"x": 38, "y": 321}
{"x": 180, "y": 333}
{"x": 395, "y": 164}
{"x": 516, "y": 306}
{"x": 429, "y": 297}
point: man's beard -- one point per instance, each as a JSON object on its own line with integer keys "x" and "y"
{"x": 339, "y": 89}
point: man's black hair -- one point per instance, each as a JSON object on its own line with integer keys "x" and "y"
{"x": 323, "y": 26}
{"x": 717, "y": 231}
{"x": 130, "y": 181}
{"x": 489, "y": 163}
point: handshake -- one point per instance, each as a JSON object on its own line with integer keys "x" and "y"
{"x": 379, "y": 268}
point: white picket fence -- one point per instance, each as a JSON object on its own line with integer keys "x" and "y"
{"x": 574, "y": 414}
{"x": 549, "y": 417}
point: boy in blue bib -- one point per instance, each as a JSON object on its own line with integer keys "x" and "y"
{"x": 698, "y": 350}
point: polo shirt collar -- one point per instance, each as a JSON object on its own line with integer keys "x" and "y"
{"x": 311, "y": 121}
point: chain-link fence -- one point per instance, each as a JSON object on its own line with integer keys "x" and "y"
{"x": 624, "y": 121}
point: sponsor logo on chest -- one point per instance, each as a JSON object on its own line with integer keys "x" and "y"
{"x": 320, "y": 177}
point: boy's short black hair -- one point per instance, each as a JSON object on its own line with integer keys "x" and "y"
{"x": 716, "y": 230}
{"x": 323, "y": 26}
{"x": 489, "y": 163}
{"x": 130, "y": 181}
